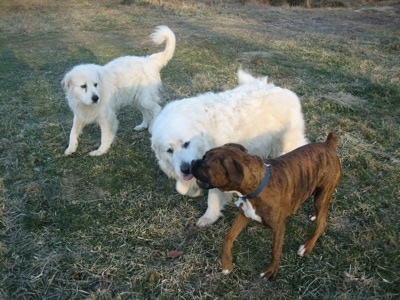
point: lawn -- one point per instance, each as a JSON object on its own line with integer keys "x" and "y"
{"x": 81, "y": 227}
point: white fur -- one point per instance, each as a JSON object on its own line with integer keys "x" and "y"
{"x": 95, "y": 93}
{"x": 301, "y": 251}
{"x": 265, "y": 119}
{"x": 250, "y": 212}
{"x": 262, "y": 275}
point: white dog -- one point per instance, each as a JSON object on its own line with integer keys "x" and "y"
{"x": 95, "y": 93}
{"x": 265, "y": 119}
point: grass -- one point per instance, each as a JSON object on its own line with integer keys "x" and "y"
{"x": 100, "y": 228}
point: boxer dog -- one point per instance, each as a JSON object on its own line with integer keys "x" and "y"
{"x": 271, "y": 191}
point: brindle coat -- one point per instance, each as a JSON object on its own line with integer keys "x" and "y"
{"x": 313, "y": 169}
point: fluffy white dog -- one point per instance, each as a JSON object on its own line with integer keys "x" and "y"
{"x": 265, "y": 119}
{"x": 95, "y": 93}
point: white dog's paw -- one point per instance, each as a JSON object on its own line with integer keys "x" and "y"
{"x": 187, "y": 188}
{"x": 205, "y": 221}
{"x": 194, "y": 192}
{"x": 97, "y": 152}
{"x": 301, "y": 251}
{"x": 182, "y": 187}
{"x": 69, "y": 151}
{"x": 140, "y": 127}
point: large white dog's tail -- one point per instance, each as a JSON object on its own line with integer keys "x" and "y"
{"x": 244, "y": 77}
{"x": 163, "y": 34}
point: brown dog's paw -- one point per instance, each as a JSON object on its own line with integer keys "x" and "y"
{"x": 302, "y": 251}
{"x": 227, "y": 266}
{"x": 226, "y": 271}
{"x": 305, "y": 249}
{"x": 270, "y": 273}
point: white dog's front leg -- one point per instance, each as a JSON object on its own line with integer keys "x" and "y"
{"x": 76, "y": 131}
{"x": 108, "y": 131}
{"x": 216, "y": 202}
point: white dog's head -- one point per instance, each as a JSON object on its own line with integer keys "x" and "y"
{"x": 176, "y": 141}
{"x": 83, "y": 83}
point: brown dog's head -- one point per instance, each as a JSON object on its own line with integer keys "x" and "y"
{"x": 221, "y": 168}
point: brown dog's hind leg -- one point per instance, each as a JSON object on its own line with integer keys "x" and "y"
{"x": 238, "y": 225}
{"x": 321, "y": 203}
{"x": 278, "y": 237}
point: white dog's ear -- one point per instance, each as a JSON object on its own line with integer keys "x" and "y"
{"x": 244, "y": 77}
{"x": 65, "y": 83}
{"x": 156, "y": 149}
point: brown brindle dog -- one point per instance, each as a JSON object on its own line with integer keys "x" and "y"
{"x": 271, "y": 191}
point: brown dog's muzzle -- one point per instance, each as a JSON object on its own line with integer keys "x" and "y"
{"x": 198, "y": 169}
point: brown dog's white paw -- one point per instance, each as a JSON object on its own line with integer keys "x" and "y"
{"x": 270, "y": 275}
{"x": 226, "y": 271}
{"x": 302, "y": 251}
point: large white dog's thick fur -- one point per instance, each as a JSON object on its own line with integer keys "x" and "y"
{"x": 265, "y": 119}
{"x": 95, "y": 93}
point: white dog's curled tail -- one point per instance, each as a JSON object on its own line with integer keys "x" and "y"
{"x": 244, "y": 77}
{"x": 163, "y": 34}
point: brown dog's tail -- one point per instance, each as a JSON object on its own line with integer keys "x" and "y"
{"x": 332, "y": 139}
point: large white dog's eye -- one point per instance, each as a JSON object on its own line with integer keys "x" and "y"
{"x": 185, "y": 145}
{"x": 84, "y": 86}
{"x": 170, "y": 150}
{"x": 95, "y": 85}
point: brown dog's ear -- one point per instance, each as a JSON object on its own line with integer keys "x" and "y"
{"x": 238, "y": 146}
{"x": 234, "y": 169}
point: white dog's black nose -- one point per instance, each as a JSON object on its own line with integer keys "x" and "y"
{"x": 95, "y": 98}
{"x": 185, "y": 168}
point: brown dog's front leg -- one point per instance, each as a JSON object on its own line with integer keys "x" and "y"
{"x": 238, "y": 225}
{"x": 278, "y": 235}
